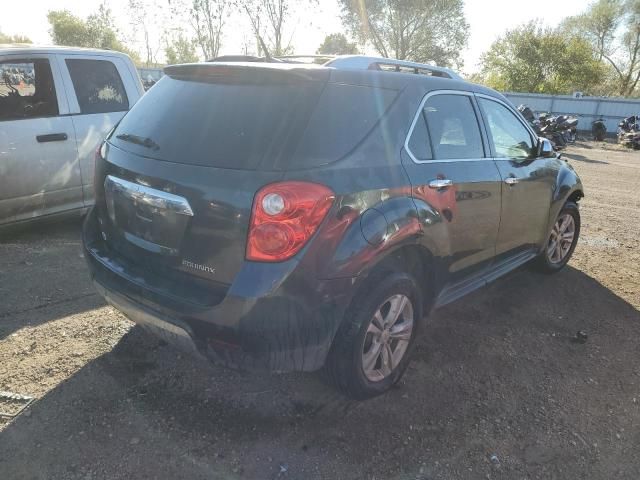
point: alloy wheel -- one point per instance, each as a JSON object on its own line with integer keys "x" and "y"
{"x": 561, "y": 239}
{"x": 387, "y": 337}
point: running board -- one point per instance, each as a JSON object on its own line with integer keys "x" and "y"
{"x": 457, "y": 290}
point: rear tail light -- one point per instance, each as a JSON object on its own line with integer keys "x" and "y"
{"x": 285, "y": 216}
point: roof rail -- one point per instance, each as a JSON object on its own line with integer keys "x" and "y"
{"x": 363, "y": 62}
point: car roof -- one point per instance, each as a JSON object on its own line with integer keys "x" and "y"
{"x": 29, "y": 49}
{"x": 380, "y": 78}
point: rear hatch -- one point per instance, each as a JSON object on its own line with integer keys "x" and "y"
{"x": 176, "y": 183}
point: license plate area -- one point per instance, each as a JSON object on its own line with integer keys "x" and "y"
{"x": 150, "y": 219}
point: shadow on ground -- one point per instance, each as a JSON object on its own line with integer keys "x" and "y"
{"x": 43, "y": 275}
{"x": 582, "y": 158}
{"x": 497, "y": 373}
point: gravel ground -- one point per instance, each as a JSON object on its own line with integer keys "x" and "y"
{"x": 499, "y": 387}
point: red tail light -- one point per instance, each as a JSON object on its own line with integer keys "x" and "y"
{"x": 285, "y": 215}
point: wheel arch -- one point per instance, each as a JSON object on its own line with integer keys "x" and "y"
{"x": 568, "y": 187}
{"x": 414, "y": 259}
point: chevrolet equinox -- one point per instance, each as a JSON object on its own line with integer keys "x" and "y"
{"x": 291, "y": 217}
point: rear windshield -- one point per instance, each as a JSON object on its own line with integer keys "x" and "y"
{"x": 244, "y": 126}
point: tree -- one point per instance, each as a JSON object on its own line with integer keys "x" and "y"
{"x": 337, "y": 44}
{"x": 531, "y": 58}
{"x": 419, "y": 30}
{"x": 13, "y": 38}
{"x": 98, "y": 31}
{"x": 612, "y": 28}
{"x": 181, "y": 50}
{"x": 208, "y": 19}
{"x": 598, "y": 25}
{"x": 269, "y": 20}
{"x": 143, "y": 15}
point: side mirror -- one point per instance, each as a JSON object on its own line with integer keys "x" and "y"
{"x": 546, "y": 148}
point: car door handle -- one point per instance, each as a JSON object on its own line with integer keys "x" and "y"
{"x": 511, "y": 180}
{"x": 52, "y": 137}
{"x": 440, "y": 183}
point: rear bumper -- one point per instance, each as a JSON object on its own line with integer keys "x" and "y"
{"x": 273, "y": 317}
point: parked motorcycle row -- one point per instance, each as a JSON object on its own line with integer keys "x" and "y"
{"x": 14, "y": 75}
{"x": 559, "y": 129}
{"x": 629, "y": 132}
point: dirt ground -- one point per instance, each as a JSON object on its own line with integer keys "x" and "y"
{"x": 499, "y": 388}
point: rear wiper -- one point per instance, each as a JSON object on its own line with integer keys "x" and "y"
{"x": 144, "y": 142}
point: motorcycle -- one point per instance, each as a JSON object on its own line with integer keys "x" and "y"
{"x": 629, "y": 132}
{"x": 559, "y": 129}
{"x": 599, "y": 130}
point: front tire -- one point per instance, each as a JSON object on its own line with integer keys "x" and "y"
{"x": 562, "y": 240}
{"x": 372, "y": 347}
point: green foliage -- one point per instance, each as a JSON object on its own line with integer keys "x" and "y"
{"x": 271, "y": 19}
{"x": 419, "y": 30}
{"x": 534, "y": 59}
{"x": 207, "y": 18}
{"x": 97, "y": 31}
{"x": 13, "y": 38}
{"x": 337, "y": 44}
{"x": 181, "y": 50}
{"x": 612, "y": 29}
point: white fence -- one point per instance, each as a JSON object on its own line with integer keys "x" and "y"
{"x": 587, "y": 109}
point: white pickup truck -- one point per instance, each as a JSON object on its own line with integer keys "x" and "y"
{"x": 56, "y": 105}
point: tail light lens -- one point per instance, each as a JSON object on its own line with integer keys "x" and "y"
{"x": 285, "y": 215}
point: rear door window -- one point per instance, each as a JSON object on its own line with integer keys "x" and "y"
{"x": 27, "y": 90}
{"x": 419, "y": 142}
{"x": 98, "y": 86}
{"x": 453, "y": 127}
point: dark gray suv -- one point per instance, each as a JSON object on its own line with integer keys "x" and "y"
{"x": 291, "y": 217}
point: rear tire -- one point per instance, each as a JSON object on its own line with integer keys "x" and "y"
{"x": 371, "y": 350}
{"x": 562, "y": 240}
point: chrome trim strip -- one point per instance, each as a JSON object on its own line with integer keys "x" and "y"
{"x": 146, "y": 195}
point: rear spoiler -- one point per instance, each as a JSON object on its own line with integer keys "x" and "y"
{"x": 250, "y": 72}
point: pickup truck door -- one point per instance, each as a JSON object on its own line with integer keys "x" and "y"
{"x": 528, "y": 180}
{"x": 101, "y": 90}
{"x": 39, "y": 171}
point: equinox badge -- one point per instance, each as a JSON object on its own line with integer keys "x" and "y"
{"x": 197, "y": 266}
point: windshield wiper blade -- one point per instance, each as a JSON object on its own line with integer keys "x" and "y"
{"x": 142, "y": 141}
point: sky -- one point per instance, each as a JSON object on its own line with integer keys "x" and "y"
{"x": 487, "y": 19}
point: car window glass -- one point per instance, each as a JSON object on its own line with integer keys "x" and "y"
{"x": 419, "y": 141}
{"x": 98, "y": 86}
{"x": 453, "y": 127}
{"x": 510, "y": 137}
{"x": 27, "y": 90}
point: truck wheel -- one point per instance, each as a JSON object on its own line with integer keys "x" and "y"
{"x": 562, "y": 241}
{"x": 372, "y": 347}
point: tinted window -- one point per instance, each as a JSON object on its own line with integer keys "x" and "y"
{"x": 98, "y": 86}
{"x": 238, "y": 125}
{"x": 344, "y": 115}
{"x": 510, "y": 137}
{"x": 453, "y": 127}
{"x": 27, "y": 90}
{"x": 419, "y": 142}
{"x": 216, "y": 124}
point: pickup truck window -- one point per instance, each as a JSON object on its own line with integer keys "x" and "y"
{"x": 27, "y": 90}
{"x": 98, "y": 86}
